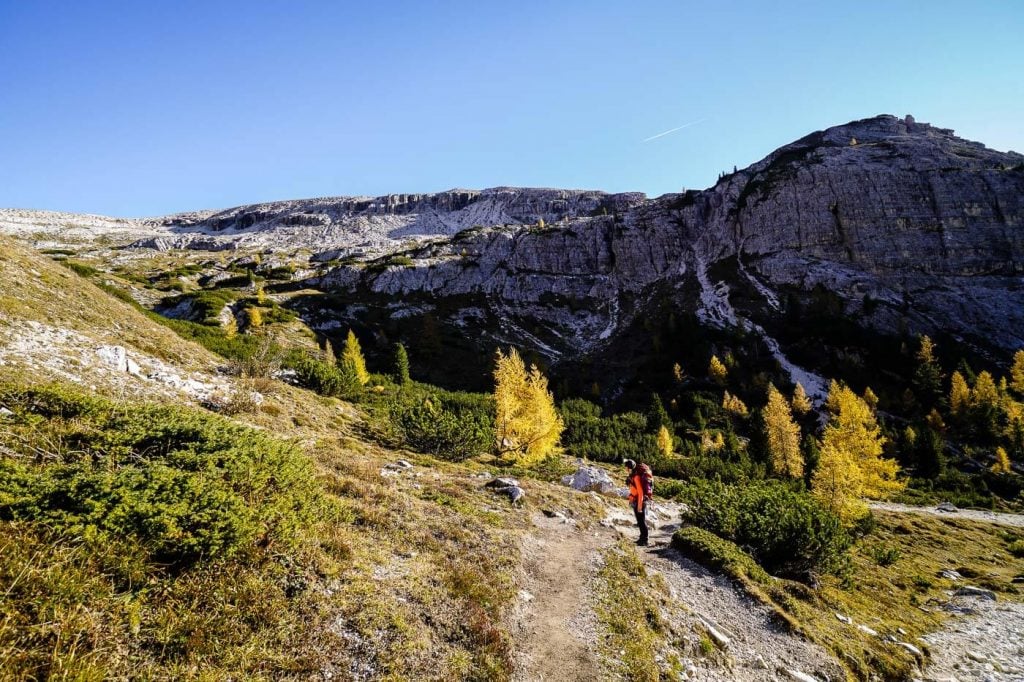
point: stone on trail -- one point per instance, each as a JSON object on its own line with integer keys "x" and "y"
{"x": 800, "y": 676}
{"x": 509, "y": 487}
{"x": 947, "y": 507}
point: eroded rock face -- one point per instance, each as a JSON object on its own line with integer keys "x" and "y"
{"x": 913, "y": 228}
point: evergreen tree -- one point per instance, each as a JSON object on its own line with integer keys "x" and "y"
{"x": 931, "y": 454}
{"x": 527, "y": 426}
{"x": 928, "y": 374}
{"x": 851, "y": 464}
{"x": 352, "y": 360}
{"x": 811, "y": 450}
{"x": 402, "y": 377}
{"x": 717, "y": 371}
{"x": 782, "y": 436}
{"x": 657, "y": 417}
{"x": 801, "y": 403}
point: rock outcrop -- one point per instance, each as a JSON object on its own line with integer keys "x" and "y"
{"x": 911, "y": 227}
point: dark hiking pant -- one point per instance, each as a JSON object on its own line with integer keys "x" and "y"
{"x": 641, "y": 521}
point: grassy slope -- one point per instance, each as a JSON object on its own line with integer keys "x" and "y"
{"x": 408, "y": 577}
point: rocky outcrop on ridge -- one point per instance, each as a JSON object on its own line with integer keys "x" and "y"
{"x": 913, "y": 228}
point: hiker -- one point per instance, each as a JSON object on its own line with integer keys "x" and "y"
{"x": 641, "y": 486}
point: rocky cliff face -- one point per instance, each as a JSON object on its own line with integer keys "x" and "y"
{"x": 913, "y": 229}
{"x": 895, "y": 225}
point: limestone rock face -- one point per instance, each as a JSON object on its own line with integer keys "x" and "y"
{"x": 913, "y": 228}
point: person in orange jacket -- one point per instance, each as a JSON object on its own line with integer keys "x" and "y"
{"x": 638, "y": 497}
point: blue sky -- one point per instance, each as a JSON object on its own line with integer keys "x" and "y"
{"x": 146, "y": 108}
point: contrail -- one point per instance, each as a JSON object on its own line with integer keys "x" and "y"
{"x": 668, "y": 132}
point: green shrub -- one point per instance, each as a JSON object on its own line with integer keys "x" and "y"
{"x": 452, "y": 426}
{"x": 785, "y": 530}
{"x": 322, "y": 377}
{"x": 183, "y": 484}
{"x": 714, "y": 552}
{"x": 79, "y": 268}
{"x": 1017, "y": 549}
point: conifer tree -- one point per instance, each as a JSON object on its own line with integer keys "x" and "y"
{"x": 1002, "y": 463}
{"x": 527, "y": 426}
{"x": 402, "y": 377}
{"x": 261, "y": 294}
{"x": 657, "y": 416}
{"x": 870, "y": 398}
{"x": 959, "y": 394}
{"x": 677, "y": 373}
{"x": 984, "y": 395}
{"x": 1017, "y": 373}
{"x": 782, "y": 436}
{"x": 851, "y": 464}
{"x": 734, "y": 405}
{"x": 665, "y": 442}
{"x": 352, "y": 360}
{"x": 801, "y": 403}
{"x": 931, "y": 454}
{"x": 329, "y": 357}
{"x": 717, "y": 371}
{"x": 253, "y": 317}
{"x": 928, "y": 374}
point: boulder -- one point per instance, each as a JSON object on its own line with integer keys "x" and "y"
{"x": 971, "y": 591}
{"x": 947, "y": 507}
{"x": 509, "y": 487}
{"x": 589, "y": 478}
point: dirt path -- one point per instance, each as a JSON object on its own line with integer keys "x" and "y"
{"x": 558, "y": 633}
{"x": 557, "y": 638}
{"x": 999, "y": 518}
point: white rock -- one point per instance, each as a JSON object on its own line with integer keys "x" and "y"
{"x": 866, "y": 630}
{"x": 800, "y": 676}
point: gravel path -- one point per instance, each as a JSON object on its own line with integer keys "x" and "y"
{"x": 985, "y": 645}
{"x": 758, "y": 650}
{"x": 972, "y": 514}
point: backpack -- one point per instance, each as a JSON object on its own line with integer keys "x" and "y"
{"x": 646, "y": 480}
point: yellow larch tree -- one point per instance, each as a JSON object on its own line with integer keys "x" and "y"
{"x": 527, "y": 426}
{"x": 1002, "y": 463}
{"x": 870, "y": 398}
{"x": 959, "y": 394}
{"x": 717, "y": 371}
{"x": 253, "y": 317}
{"x": 984, "y": 394}
{"x": 851, "y": 464}
{"x": 352, "y": 359}
{"x": 782, "y": 436}
{"x": 801, "y": 403}
{"x": 711, "y": 442}
{"x": 1017, "y": 372}
{"x": 665, "y": 442}
{"x": 731, "y": 403}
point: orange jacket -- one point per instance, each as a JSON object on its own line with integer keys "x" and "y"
{"x": 636, "y": 489}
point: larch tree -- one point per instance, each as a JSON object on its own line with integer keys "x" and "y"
{"x": 782, "y": 436}
{"x": 1002, "y": 463}
{"x": 665, "y": 442}
{"x": 329, "y": 357}
{"x": 959, "y": 394}
{"x": 717, "y": 371}
{"x": 527, "y": 426}
{"x": 253, "y": 317}
{"x": 352, "y": 359}
{"x": 734, "y": 405}
{"x": 1017, "y": 372}
{"x": 984, "y": 395}
{"x": 851, "y": 465}
{"x": 801, "y": 403}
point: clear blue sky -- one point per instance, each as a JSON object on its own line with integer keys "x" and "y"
{"x": 145, "y": 108}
